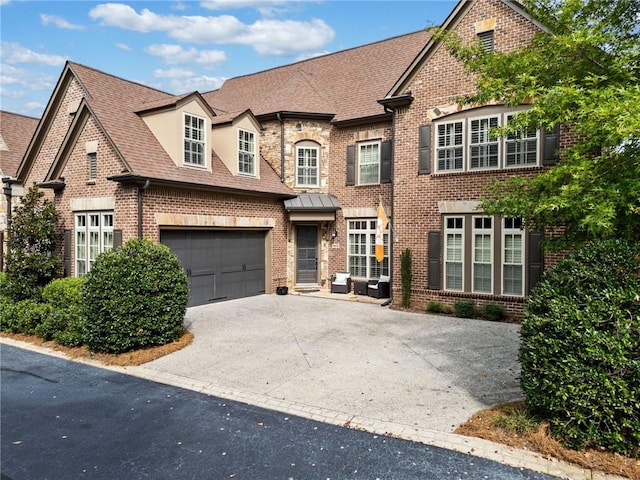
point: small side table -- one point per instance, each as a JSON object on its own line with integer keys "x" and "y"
{"x": 360, "y": 287}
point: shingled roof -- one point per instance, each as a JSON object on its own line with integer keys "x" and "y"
{"x": 15, "y": 133}
{"x": 347, "y": 84}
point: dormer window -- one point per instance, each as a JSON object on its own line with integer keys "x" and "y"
{"x": 194, "y": 138}
{"x": 246, "y": 152}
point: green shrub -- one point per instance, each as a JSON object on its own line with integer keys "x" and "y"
{"x": 406, "y": 262}
{"x": 465, "y": 308}
{"x": 3, "y": 284}
{"x": 32, "y": 260}
{"x": 23, "y": 316}
{"x": 72, "y": 325}
{"x": 434, "y": 306}
{"x": 134, "y": 296}
{"x": 63, "y": 292}
{"x": 494, "y": 312}
{"x": 580, "y": 350}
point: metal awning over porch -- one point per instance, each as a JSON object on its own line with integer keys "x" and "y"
{"x": 312, "y": 207}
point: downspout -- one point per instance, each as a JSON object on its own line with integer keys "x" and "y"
{"x": 281, "y": 146}
{"x": 387, "y": 109}
{"x": 140, "y": 190}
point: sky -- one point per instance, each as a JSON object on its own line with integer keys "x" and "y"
{"x": 180, "y": 46}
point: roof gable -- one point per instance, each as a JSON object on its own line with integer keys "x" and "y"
{"x": 15, "y": 133}
{"x": 450, "y": 23}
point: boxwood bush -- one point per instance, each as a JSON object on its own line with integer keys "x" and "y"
{"x": 134, "y": 296}
{"x": 65, "y": 322}
{"x": 580, "y": 350}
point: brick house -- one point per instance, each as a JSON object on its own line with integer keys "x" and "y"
{"x": 15, "y": 132}
{"x": 275, "y": 177}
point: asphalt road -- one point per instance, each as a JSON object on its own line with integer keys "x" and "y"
{"x": 66, "y": 420}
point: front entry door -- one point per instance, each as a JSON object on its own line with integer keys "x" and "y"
{"x": 307, "y": 254}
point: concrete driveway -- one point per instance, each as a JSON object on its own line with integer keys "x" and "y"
{"x": 357, "y": 361}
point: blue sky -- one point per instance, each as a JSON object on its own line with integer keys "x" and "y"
{"x": 184, "y": 45}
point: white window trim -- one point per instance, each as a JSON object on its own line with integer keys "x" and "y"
{"x": 304, "y": 146}
{"x": 460, "y": 231}
{"x": 438, "y": 148}
{"x": 359, "y": 149}
{"x": 466, "y": 144}
{"x": 203, "y": 142}
{"x": 87, "y": 229}
{"x": 482, "y": 231}
{"x": 369, "y": 233}
{"x": 510, "y": 231}
{"x": 253, "y": 154}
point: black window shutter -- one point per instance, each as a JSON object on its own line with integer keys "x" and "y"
{"x": 536, "y": 260}
{"x": 550, "y": 146}
{"x": 351, "y": 165}
{"x": 66, "y": 257}
{"x": 424, "y": 148}
{"x": 385, "y": 162}
{"x": 117, "y": 238}
{"x": 433, "y": 273}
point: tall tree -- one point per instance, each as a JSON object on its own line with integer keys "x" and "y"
{"x": 32, "y": 261}
{"x": 581, "y": 72}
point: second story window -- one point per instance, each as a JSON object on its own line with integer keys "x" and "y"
{"x": 307, "y": 163}
{"x": 246, "y": 152}
{"x": 483, "y": 149}
{"x": 369, "y": 163}
{"x": 449, "y": 146}
{"x": 194, "y": 140}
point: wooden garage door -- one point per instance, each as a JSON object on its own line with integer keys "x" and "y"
{"x": 220, "y": 265}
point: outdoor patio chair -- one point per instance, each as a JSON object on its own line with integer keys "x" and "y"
{"x": 341, "y": 283}
{"x": 380, "y": 289}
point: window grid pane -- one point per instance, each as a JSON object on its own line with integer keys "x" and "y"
{"x": 307, "y": 166}
{"x": 246, "y": 152}
{"x": 369, "y": 164}
{"x": 513, "y": 257}
{"x": 97, "y": 228}
{"x": 450, "y": 146}
{"x": 483, "y": 150}
{"x": 361, "y": 250}
{"x": 193, "y": 140}
{"x": 454, "y": 254}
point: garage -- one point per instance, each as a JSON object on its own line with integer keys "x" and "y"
{"x": 220, "y": 264}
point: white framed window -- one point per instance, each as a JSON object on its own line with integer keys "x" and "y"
{"x": 194, "y": 140}
{"x": 361, "y": 249}
{"x": 246, "y": 152}
{"x": 521, "y": 148}
{"x": 482, "y": 254}
{"x": 93, "y": 235}
{"x": 307, "y": 165}
{"x": 450, "y": 146}
{"x": 369, "y": 163}
{"x": 454, "y": 253}
{"x": 513, "y": 244}
{"x": 466, "y": 144}
{"x": 483, "y": 149}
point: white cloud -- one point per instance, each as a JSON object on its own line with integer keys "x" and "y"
{"x": 175, "y": 54}
{"x": 14, "y": 53}
{"x": 267, "y": 37}
{"x": 173, "y": 73}
{"x": 59, "y": 22}
{"x": 200, "y": 83}
{"x": 123, "y": 46}
{"x": 35, "y": 106}
{"x": 230, "y": 4}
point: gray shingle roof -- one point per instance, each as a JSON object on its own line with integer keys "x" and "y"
{"x": 16, "y": 131}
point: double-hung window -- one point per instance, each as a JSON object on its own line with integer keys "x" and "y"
{"x": 521, "y": 148}
{"x": 513, "y": 257}
{"x": 246, "y": 152}
{"x": 93, "y": 235}
{"x": 369, "y": 163}
{"x": 454, "y": 253}
{"x": 307, "y": 161}
{"x": 361, "y": 249}
{"x": 450, "y": 146}
{"x": 483, "y": 149}
{"x": 194, "y": 140}
{"x": 482, "y": 254}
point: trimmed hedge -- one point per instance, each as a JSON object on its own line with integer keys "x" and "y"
{"x": 134, "y": 296}
{"x": 580, "y": 350}
{"x": 64, "y": 323}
